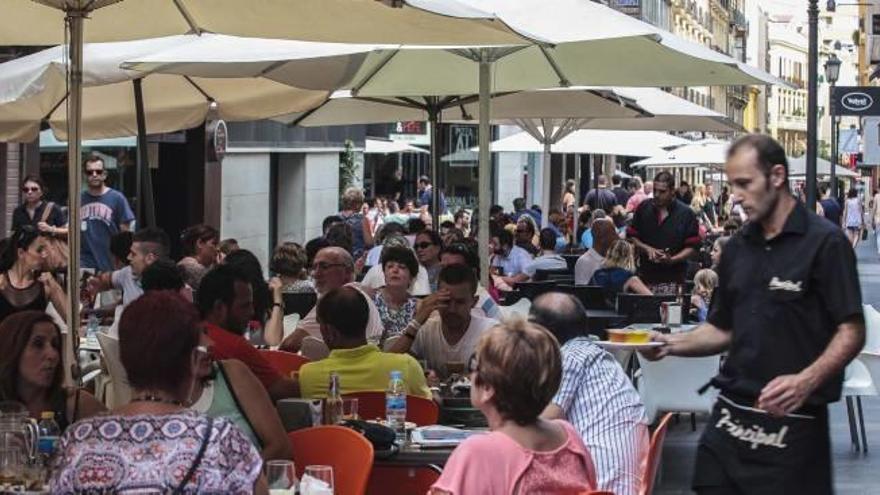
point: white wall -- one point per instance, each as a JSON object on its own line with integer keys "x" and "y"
{"x": 308, "y": 191}
{"x": 509, "y": 179}
{"x": 245, "y": 202}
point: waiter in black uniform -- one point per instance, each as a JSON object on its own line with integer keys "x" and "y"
{"x": 789, "y": 312}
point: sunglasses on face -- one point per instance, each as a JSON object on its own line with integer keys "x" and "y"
{"x": 423, "y": 245}
{"x": 94, "y": 172}
{"x": 30, "y": 189}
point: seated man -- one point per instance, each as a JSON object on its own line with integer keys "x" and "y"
{"x": 332, "y": 268}
{"x": 595, "y": 396}
{"x": 547, "y": 259}
{"x": 459, "y": 253}
{"x": 509, "y": 261}
{"x": 446, "y": 339}
{"x": 226, "y": 302}
{"x": 343, "y": 315}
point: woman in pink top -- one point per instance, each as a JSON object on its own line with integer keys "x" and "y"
{"x": 517, "y": 370}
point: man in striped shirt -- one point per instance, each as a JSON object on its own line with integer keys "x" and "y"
{"x": 595, "y": 396}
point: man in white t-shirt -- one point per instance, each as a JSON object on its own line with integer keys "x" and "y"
{"x": 332, "y": 268}
{"x": 447, "y": 338}
{"x": 148, "y": 245}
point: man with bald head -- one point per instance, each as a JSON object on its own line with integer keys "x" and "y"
{"x": 595, "y": 396}
{"x": 332, "y": 268}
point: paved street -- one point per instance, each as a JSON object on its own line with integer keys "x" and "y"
{"x": 854, "y": 473}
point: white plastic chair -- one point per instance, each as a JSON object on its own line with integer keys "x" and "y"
{"x": 671, "y": 384}
{"x": 872, "y": 328}
{"x": 289, "y": 324}
{"x": 857, "y": 382}
{"x": 119, "y": 381}
{"x": 520, "y": 308}
{"x": 313, "y": 348}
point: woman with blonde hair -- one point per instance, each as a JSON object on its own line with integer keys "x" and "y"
{"x": 705, "y": 282}
{"x": 515, "y": 372}
{"x": 618, "y": 272}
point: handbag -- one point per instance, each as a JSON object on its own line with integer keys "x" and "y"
{"x": 56, "y": 248}
{"x": 198, "y": 460}
{"x": 864, "y": 234}
{"x": 380, "y": 436}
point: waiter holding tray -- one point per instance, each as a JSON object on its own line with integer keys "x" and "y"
{"x": 788, "y": 311}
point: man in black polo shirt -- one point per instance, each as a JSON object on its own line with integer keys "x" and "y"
{"x": 665, "y": 232}
{"x": 788, "y": 310}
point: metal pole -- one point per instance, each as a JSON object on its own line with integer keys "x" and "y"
{"x": 485, "y": 168}
{"x": 812, "y": 101}
{"x": 434, "y": 120}
{"x": 146, "y": 205}
{"x": 835, "y": 128}
{"x": 545, "y": 181}
{"x": 74, "y": 136}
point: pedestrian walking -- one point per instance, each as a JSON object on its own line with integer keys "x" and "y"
{"x": 788, "y": 311}
{"x": 105, "y": 212}
{"x": 853, "y": 217}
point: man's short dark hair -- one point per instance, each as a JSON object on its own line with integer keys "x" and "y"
{"x": 458, "y": 274}
{"x": 218, "y": 285}
{"x": 162, "y": 274}
{"x": 340, "y": 235}
{"x": 615, "y": 180}
{"x": 447, "y": 224}
{"x": 346, "y": 310}
{"x": 770, "y": 153}
{"x": 548, "y": 239}
{"x": 495, "y": 209}
{"x": 312, "y": 248}
{"x": 462, "y": 249}
{"x": 154, "y": 241}
{"x": 94, "y": 159}
{"x": 425, "y": 179}
{"x": 402, "y": 255}
{"x": 120, "y": 245}
{"x": 415, "y": 225}
{"x": 505, "y": 238}
{"x": 519, "y": 204}
{"x": 562, "y": 314}
{"x": 666, "y": 178}
{"x": 328, "y": 221}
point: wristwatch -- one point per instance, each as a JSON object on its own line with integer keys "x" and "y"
{"x": 279, "y": 304}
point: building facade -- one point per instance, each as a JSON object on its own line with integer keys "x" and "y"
{"x": 787, "y": 106}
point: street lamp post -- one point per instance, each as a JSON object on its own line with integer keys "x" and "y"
{"x": 832, "y": 73}
{"x": 812, "y": 100}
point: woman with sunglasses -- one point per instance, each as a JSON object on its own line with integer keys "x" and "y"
{"x": 428, "y": 246}
{"x": 516, "y": 370}
{"x": 24, "y": 284}
{"x": 46, "y": 216}
{"x": 31, "y": 370}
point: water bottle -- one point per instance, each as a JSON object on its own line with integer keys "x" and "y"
{"x": 395, "y": 405}
{"x": 92, "y": 327}
{"x": 49, "y": 432}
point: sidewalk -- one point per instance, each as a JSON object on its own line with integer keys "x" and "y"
{"x": 854, "y": 473}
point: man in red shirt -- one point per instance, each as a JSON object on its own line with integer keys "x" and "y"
{"x": 226, "y": 302}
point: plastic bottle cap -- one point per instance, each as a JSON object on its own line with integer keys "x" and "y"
{"x": 47, "y": 415}
{"x": 396, "y": 374}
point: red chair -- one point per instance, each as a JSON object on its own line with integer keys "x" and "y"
{"x": 421, "y": 411}
{"x": 350, "y": 454}
{"x": 402, "y": 480}
{"x": 652, "y": 464}
{"x": 284, "y": 362}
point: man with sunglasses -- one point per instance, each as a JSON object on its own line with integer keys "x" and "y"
{"x": 104, "y": 213}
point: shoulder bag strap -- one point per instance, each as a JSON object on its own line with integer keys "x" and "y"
{"x": 47, "y": 210}
{"x": 237, "y": 402}
{"x": 198, "y": 460}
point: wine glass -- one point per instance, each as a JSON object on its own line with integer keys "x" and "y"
{"x": 317, "y": 480}
{"x": 281, "y": 477}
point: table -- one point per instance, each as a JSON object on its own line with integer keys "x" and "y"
{"x": 601, "y": 319}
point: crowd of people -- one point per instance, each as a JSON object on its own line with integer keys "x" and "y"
{"x": 393, "y": 294}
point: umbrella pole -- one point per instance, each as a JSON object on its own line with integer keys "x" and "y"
{"x": 74, "y": 135}
{"x": 545, "y": 181}
{"x": 433, "y": 119}
{"x": 146, "y": 205}
{"x": 484, "y": 164}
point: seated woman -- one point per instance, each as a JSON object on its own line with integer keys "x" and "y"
{"x": 31, "y": 370}
{"x": 618, "y": 272}
{"x": 705, "y": 282}
{"x": 289, "y": 265}
{"x": 395, "y": 304}
{"x": 23, "y": 283}
{"x": 518, "y": 368}
{"x": 228, "y": 389}
{"x": 190, "y": 452}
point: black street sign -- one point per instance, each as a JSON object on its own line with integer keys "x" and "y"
{"x": 855, "y": 100}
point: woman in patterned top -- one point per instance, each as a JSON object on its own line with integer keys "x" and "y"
{"x": 153, "y": 444}
{"x": 395, "y": 304}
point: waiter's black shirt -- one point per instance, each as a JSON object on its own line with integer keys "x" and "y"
{"x": 677, "y": 231}
{"x": 783, "y": 299}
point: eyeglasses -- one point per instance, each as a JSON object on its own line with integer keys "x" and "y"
{"x": 30, "y": 189}
{"x": 94, "y": 172}
{"x": 423, "y": 245}
{"x": 325, "y": 266}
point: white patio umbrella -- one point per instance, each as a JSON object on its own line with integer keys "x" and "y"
{"x": 385, "y": 147}
{"x": 700, "y": 153}
{"x": 590, "y": 141}
{"x": 797, "y": 168}
{"x": 39, "y": 22}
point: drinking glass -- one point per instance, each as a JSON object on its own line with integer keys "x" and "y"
{"x": 11, "y": 465}
{"x": 281, "y": 477}
{"x": 317, "y": 480}
{"x": 349, "y": 409}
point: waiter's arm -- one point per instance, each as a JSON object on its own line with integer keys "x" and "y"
{"x": 705, "y": 340}
{"x": 787, "y": 393}
{"x": 682, "y": 255}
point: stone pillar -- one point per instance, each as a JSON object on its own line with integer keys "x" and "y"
{"x": 245, "y": 202}
{"x": 509, "y": 178}
{"x": 308, "y": 191}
